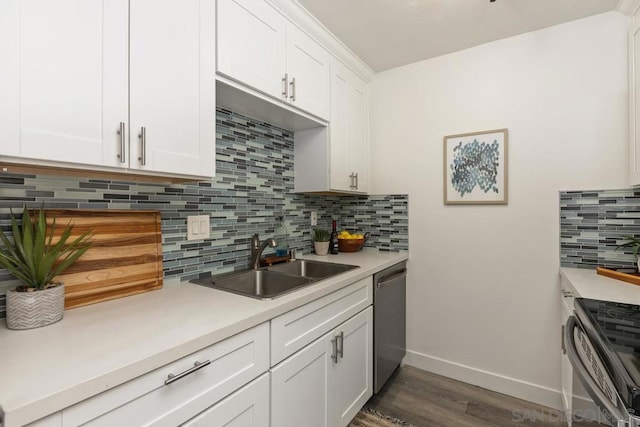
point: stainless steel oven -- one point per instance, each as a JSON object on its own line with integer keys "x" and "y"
{"x": 602, "y": 341}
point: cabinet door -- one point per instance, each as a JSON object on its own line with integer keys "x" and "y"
{"x": 172, "y": 86}
{"x": 247, "y": 407}
{"x": 299, "y": 387}
{"x": 339, "y": 128}
{"x": 63, "y": 80}
{"x": 309, "y": 73}
{"x": 147, "y": 400}
{"x": 250, "y": 32}
{"x": 352, "y": 376}
{"x": 349, "y": 130}
{"x": 359, "y": 133}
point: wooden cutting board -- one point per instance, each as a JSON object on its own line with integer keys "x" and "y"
{"x": 618, "y": 275}
{"x": 125, "y": 258}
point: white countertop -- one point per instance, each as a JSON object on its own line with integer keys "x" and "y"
{"x": 97, "y": 347}
{"x": 587, "y": 284}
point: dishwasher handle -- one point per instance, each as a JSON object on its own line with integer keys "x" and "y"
{"x": 391, "y": 279}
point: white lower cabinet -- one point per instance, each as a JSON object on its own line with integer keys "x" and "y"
{"x": 352, "y": 374}
{"x": 321, "y": 374}
{"x": 326, "y": 383}
{"x": 175, "y": 393}
{"x": 247, "y": 407}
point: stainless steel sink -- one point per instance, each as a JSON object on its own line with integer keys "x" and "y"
{"x": 272, "y": 282}
{"x": 315, "y": 269}
{"x": 256, "y": 283}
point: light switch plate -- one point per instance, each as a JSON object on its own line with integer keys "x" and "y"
{"x": 198, "y": 227}
{"x": 314, "y": 218}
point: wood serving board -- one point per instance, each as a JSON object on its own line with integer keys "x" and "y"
{"x": 125, "y": 257}
{"x": 625, "y": 277}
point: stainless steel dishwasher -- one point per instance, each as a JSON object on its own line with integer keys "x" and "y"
{"x": 389, "y": 322}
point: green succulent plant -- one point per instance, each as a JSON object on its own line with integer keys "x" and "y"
{"x": 31, "y": 255}
{"x": 631, "y": 242}
{"x": 320, "y": 235}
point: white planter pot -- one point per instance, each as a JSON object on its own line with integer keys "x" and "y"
{"x": 322, "y": 248}
{"x": 28, "y": 310}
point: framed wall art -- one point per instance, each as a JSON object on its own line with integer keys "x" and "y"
{"x": 475, "y": 168}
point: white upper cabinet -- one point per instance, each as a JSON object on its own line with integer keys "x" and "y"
{"x": 252, "y": 45}
{"x": 336, "y": 159}
{"x": 63, "y": 83}
{"x": 261, "y": 49}
{"x": 348, "y": 131}
{"x": 81, "y": 78}
{"x": 358, "y": 122}
{"x": 172, "y": 98}
{"x": 308, "y": 73}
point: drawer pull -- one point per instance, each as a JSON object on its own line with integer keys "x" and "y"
{"x": 340, "y": 344}
{"x": 566, "y": 294}
{"x": 293, "y": 89}
{"x": 196, "y": 365}
{"x": 121, "y": 155}
{"x": 334, "y": 353}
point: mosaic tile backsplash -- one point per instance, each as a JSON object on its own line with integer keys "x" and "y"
{"x": 252, "y": 190}
{"x": 592, "y": 223}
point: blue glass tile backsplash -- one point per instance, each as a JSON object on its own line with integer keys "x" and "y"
{"x": 592, "y": 223}
{"x": 252, "y": 188}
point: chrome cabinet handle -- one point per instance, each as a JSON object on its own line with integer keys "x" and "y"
{"x": 121, "y": 155}
{"x": 334, "y": 353}
{"x": 356, "y": 176}
{"x": 171, "y": 378}
{"x": 285, "y": 89}
{"x": 340, "y": 344}
{"x": 566, "y": 293}
{"x": 352, "y": 179}
{"x": 143, "y": 146}
{"x": 293, "y": 89}
{"x": 562, "y": 344}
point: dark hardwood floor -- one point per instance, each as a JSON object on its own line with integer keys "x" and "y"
{"x": 423, "y": 399}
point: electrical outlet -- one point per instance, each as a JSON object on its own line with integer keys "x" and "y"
{"x": 314, "y": 218}
{"x": 198, "y": 227}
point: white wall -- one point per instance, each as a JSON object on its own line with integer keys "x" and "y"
{"x": 483, "y": 299}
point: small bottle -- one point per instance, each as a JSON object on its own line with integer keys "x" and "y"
{"x": 333, "y": 247}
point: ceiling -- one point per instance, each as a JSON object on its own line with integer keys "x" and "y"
{"x": 390, "y": 33}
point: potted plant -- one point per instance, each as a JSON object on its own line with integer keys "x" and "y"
{"x": 321, "y": 240}
{"x": 35, "y": 256}
{"x": 632, "y": 242}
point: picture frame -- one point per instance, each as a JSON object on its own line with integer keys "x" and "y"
{"x": 476, "y": 168}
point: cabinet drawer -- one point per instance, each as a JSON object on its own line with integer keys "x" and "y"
{"x": 146, "y": 400}
{"x": 297, "y": 328}
{"x": 247, "y": 407}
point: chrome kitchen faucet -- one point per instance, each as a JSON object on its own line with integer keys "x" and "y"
{"x": 257, "y": 248}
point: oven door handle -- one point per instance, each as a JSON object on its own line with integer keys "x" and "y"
{"x": 613, "y": 413}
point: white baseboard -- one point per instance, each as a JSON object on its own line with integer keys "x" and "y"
{"x": 510, "y": 386}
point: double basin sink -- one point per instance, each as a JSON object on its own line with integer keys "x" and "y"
{"x": 274, "y": 281}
